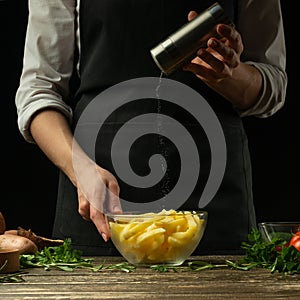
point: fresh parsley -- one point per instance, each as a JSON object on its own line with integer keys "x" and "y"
{"x": 65, "y": 258}
{"x": 275, "y": 256}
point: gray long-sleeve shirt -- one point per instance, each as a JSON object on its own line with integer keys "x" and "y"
{"x": 53, "y": 33}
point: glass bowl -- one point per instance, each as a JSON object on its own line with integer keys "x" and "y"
{"x": 281, "y": 230}
{"x": 168, "y": 237}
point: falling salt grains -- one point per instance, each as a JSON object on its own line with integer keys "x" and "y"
{"x": 159, "y": 85}
{"x": 165, "y": 185}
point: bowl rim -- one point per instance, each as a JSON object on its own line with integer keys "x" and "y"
{"x": 281, "y": 223}
{"x": 131, "y": 214}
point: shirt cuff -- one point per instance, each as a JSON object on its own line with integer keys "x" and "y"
{"x": 273, "y": 93}
{"x": 25, "y": 117}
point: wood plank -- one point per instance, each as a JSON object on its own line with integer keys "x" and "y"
{"x": 145, "y": 283}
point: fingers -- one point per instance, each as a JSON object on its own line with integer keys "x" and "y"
{"x": 233, "y": 37}
{"x": 200, "y": 69}
{"x": 209, "y": 66}
{"x": 227, "y": 49}
{"x": 224, "y": 54}
{"x": 112, "y": 192}
{"x": 90, "y": 213}
{"x": 100, "y": 222}
{"x": 83, "y": 206}
{"x": 221, "y": 56}
{"x": 100, "y": 193}
{"x": 113, "y": 201}
{"x": 214, "y": 60}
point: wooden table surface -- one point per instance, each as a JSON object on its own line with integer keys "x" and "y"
{"x": 145, "y": 283}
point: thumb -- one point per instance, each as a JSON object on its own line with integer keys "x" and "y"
{"x": 192, "y": 14}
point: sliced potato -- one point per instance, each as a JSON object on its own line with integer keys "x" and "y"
{"x": 157, "y": 236}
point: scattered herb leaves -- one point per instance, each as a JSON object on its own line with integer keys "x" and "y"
{"x": 13, "y": 277}
{"x": 123, "y": 266}
{"x": 202, "y": 265}
{"x": 195, "y": 265}
{"x": 63, "y": 257}
{"x": 275, "y": 256}
{"x": 165, "y": 268}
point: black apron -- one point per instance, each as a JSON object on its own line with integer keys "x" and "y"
{"x": 116, "y": 37}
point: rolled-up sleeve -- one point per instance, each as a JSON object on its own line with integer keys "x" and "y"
{"x": 47, "y": 62}
{"x": 261, "y": 26}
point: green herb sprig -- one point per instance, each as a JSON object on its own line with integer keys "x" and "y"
{"x": 13, "y": 277}
{"x": 275, "y": 256}
{"x": 65, "y": 258}
{"x": 195, "y": 265}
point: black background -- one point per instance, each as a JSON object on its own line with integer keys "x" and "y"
{"x": 29, "y": 180}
